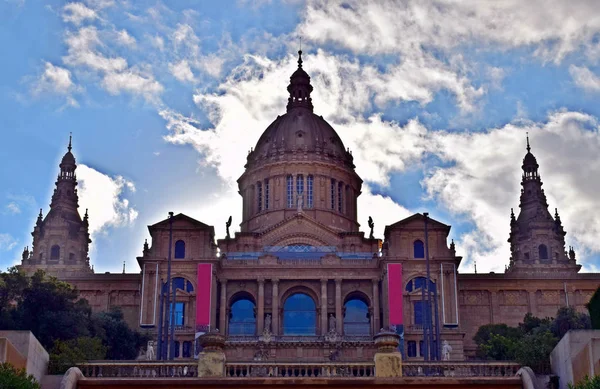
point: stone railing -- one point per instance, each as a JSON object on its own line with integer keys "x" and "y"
{"x": 460, "y": 369}
{"x": 278, "y": 369}
{"x": 139, "y": 369}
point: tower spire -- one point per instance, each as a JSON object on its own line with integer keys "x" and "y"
{"x": 70, "y": 139}
{"x": 528, "y": 147}
{"x": 300, "y": 58}
{"x": 300, "y": 88}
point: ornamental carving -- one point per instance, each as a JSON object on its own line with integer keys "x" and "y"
{"x": 474, "y": 298}
{"x": 550, "y": 297}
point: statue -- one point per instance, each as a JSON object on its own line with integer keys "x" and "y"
{"x": 300, "y": 202}
{"x": 332, "y": 323}
{"x": 371, "y": 226}
{"x": 446, "y": 350}
{"x": 150, "y": 352}
{"x": 267, "y": 324}
{"x": 227, "y": 225}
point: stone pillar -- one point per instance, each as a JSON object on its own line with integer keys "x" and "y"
{"x": 339, "y": 320}
{"x": 213, "y": 302}
{"x": 275, "y": 305}
{"x": 181, "y": 349}
{"x": 375, "y": 302}
{"x": 494, "y": 306}
{"x": 260, "y": 306}
{"x": 324, "y": 306}
{"x": 385, "y": 301}
{"x": 211, "y": 360}
{"x": 223, "y": 311}
{"x": 533, "y": 303}
{"x": 388, "y": 361}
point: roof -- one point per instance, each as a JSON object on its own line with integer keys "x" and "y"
{"x": 432, "y": 223}
{"x": 180, "y": 216}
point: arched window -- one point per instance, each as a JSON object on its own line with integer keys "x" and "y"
{"x": 267, "y": 193}
{"x": 419, "y": 249}
{"x": 300, "y": 184}
{"x": 242, "y": 318}
{"x": 299, "y": 315}
{"x": 183, "y": 284}
{"x": 340, "y": 197}
{"x": 332, "y": 193}
{"x": 420, "y": 307}
{"x": 309, "y": 191}
{"x": 543, "y": 251}
{"x": 356, "y": 318}
{"x": 179, "y": 249}
{"x": 55, "y": 252}
{"x": 290, "y": 191}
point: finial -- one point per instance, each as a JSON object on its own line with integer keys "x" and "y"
{"x": 123, "y": 267}
{"x": 528, "y": 147}
{"x": 70, "y": 139}
{"x": 475, "y": 264}
{"x": 300, "y": 59}
{"x": 86, "y": 213}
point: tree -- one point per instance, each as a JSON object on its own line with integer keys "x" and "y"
{"x": 496, "y": 341}
{"x": 66, "y": 354}
{"x": 567, "y": 318}
{"x": 16, "y": 378}
{"x": 121, "y": 341}
{"x": 12, "y": 284}
{"x": 587, "y": 383}
{"x": 534, "y": 350}
{"x": 593, "y": 307}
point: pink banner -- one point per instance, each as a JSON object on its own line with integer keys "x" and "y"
{"x": 203, "y": 296}
{"x": 395, "y": 293}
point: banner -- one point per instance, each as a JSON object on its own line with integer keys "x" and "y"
{"x": 203, "y": 297}
{"x": 395, "y": 290}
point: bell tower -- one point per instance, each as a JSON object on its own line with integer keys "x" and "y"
{"x": 61, "y": 239}
{"x": 537, "y": 239}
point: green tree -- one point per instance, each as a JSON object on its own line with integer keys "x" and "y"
{"x": 567, "y": 318}
{"x": 12, "y": 284}
{"x": 66, "y": 354}
{"x": 587, "y": 383}
{"x": 534, "y": 350}
{"x": 121, "y": 341}
{"x": 16, "y": 378}
{"x": 496, "y": 341}
{"x": 593, "y": 307}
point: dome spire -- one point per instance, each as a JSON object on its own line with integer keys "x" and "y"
{"x": 70, "y": 139}
{"x": 299, "y": 88}
{"x": 300, "y": 59}
{"x": 528, "y": 147}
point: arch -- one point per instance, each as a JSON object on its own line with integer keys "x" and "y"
{"x": 543, "y": 251}
{"x": 183, "y": 284}
{"x": 300, "y": 238}
{"x": 179, "y": 249}
{"x": 55, "y": 252}
{"x": 299, "y": 315}
{"x": 418, "y": 249}
{"x": 242, "y": 315}
{"x": 417, "y": 283}
{"x": 357, "y": 318}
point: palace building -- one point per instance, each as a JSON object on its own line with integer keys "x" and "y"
{"x": 299, "y": 280}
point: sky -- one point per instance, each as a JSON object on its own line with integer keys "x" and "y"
{"x": 433, "y": 97}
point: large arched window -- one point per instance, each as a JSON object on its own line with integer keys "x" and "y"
{"x": 356, "y": 317}
{"x": 183, "y": 284}
{"x": 299, "y": 315}
{"x": 242, "y": 318}
{"x": 259, "y": 196}
{"x": 419, "y": 249}
{"x": 179, "y": 249}
{"x": 55, "y": 252}
{"x": 543, "y": 251}
{"x": 420, "y": 307}
{"x": 290, "y": 191}
{"x": 309, "y": 191}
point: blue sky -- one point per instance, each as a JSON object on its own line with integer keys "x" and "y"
{"x": 434, "y": 99}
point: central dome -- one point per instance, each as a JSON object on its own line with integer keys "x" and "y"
{"x": 300, "y": 130}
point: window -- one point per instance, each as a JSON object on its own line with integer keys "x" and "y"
{"x": 176, "y": 351}
{"x": 309, "y": 192}
{"x": 267, "y": 194}
{"x": 356, "y": 318}
{"x": 71, "y": 257}
{"x": 420, "y": 308}
{"x": 55, "y": 252}
{"x": 543, "y": 251}
{"x": 417, "y": 283}
{"x": 179, "y": 249}
{"x": 179, "y": 313}
{"x": 187, "y": 349}
{"x": 340, "y": 197}
{"x": 412, "y": 348}
{"x": 300, "y": 184}
{"x": 421, "y": 348}
{"x": 299, "y": 315}
{"x": 259, "y": 196}
{"x": 290, "y": 192}
{"x": 419, "y": 249}
{"x": 183, "y": 284}
{"x": 242, "y": 319}
{"x": 332, "y": 194}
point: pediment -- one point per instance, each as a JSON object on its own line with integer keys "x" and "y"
{"x": 300, "y": 229}
{"x": 417, "y": 222}
{"x": 180, "y": 221}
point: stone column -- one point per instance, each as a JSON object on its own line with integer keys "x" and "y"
{"x": 385, "y": 301}
{"x": 494, "y": 307}
{"x": 275, "y": 305}
{"x": 223, "y": 311}
{"x": 260, "y": 306}
{"x": 181, "y": 349}
{"x": 339, "y": 320}
{"x": 324, "y": 306}
{"x": 533, "y": 303}
{"x": 375, "y": 302}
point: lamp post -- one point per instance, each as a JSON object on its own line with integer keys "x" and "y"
{"x": 166, "y": 347}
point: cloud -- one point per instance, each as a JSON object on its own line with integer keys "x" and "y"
{"x": 584, "y": 78}
{"x": 54, "y": 79}
{"x": 182, "y": 71}
{"x": 82, "y": 51}
{"x": 134, "y": 83}
{"x": 76, "y": 13}
{"x": 7, "y": 242}
{"x": 104, "y": 197}
{"x": 13, "y": 208}
{"x": 123, "y": 38}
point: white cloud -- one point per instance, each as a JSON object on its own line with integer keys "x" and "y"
{"x": 584, "y": 78}
{"x": 158, "y": 42}
{"x": 13, "y": 208}
{"x": 76, "y": 13}
{"x": 123, "y": 38}
{"x": 182, "y": 71}
{"x": 54, "y": 79}
{"x": 82, "y": 51}
{"x": 7, "y": 242}
{"x": 104, "y": 195}
{"x": 134, "y": 83}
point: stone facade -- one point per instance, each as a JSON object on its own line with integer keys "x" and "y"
{"x": 299, "y": 235}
